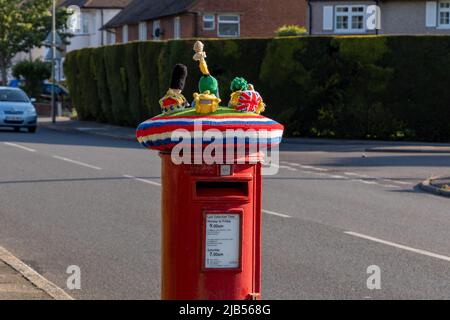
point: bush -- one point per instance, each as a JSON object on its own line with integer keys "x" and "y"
{"x": 34, "y": 73}
{"x": 87, "y": 82}
{"x": 104, "y": 94}
{"x": 384, "y": 87}
{"x": 291, "y": 31}
{"x": 148, "y": 55}
{"x": 117, "y": 81}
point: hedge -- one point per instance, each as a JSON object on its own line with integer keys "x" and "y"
{"x": 376, "y": 87}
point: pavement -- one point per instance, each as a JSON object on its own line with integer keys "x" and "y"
{"x": 20, "y": 282}
{"x": 91, "y": 127}
{"x": 13, "y": 286}
{"x": 333, "y": 211}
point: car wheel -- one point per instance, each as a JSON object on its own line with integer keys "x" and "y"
{"x": 16, "y": 129}
{"x": 32, "y": 129}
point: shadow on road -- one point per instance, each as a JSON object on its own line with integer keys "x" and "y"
{"x": 46, "y": 136}
{"x": 106, "y": 179}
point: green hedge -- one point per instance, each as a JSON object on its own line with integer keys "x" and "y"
{"x": 377, "y": 87}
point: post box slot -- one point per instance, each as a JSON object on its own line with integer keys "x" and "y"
{"x": 221, "y": 188}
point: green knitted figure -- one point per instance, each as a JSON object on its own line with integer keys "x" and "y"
{"x": 209, "y": 83}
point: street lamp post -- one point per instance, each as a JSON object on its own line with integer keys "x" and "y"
{"x": 53, "y": 60}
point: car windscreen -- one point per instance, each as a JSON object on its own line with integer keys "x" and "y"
{"x": 13, "y": 96}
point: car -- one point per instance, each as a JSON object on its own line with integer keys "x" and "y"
{"x": 17, "y": 110}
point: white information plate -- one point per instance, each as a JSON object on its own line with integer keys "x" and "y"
{"x": 222, "y": 247}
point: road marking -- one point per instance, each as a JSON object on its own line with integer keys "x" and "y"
{"x": 77, "y": 162}
{"x": 400, "y": 246}
{"x": 142, "y": 180}
{"x": 287, "y": 167}
{"x": 338, "y": 177}
{"x": 306, "y": 167}
{"x": 276, "y": 214}
{"x": 290, "y": 163}
{"x": 316, "y": 173}
{"x": 159, "y": 185}
{"x": 365, "y": 181}
{"x": 356, "y": 174}
{"x": 19, "y": 146}
{"x": 35, "y": 278}
{"x": 319, "y": 169}
{"x": 399, "y": 182}
{"x": 389, "y": 186}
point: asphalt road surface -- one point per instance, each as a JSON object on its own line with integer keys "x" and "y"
{"x": 330, "y": 213}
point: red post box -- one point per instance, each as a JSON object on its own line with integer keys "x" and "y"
{"x": 211, "y": 213}
{"x": 211, "y": 210}
{"x": 211, "y": 234}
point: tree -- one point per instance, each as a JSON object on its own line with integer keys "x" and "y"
{"x": 23, "y": 26}
{"x": 34, "y": 73}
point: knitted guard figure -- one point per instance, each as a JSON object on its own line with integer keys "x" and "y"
{"x": 174, "y": 100}
{"x": 207, "y": 101}
{"x": 244, "y": 98}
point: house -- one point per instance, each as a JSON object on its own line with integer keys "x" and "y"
{"x": 176, "y": 19}
{"x": 92, "y": 16}
{"x": 408, "y": 17}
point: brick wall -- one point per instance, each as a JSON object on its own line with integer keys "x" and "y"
{"x": 258, "y": 18}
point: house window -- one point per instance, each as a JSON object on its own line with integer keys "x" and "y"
{"x": 143, "y": 31}
{"x": 113, "y": 38}
{"x": 176, "y": 28}
{"x": 228, "y": 26}
{"x": 209, "y": 22}
{"x": 350, "y": 18}
{"x": 156, "y": 30}
{"x": 125, "y": 34}
{"x": 444, "y": 14}
{"x": 85, "y": 23}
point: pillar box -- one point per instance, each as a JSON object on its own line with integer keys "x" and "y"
{"x": 211, "y": 194}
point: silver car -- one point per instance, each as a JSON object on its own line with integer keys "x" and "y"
{"x": 17, "y": 110}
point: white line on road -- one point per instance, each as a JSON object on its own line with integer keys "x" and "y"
{"x": 19, "y": 146}
{"x": 159, "y": 185}
{"x": 143, "y": 180}
{"x": 356, "y": 174}
{"x": 400, "y": 182}
{"x": 389, "y": 185}
{"x": 276, "y": 214}
{"x": 77, "y": 162}
{"x": 338, "y": 177}
{"x": 365, "y": 181}
{"x": 319, "y": 169}
{"x": 306, "y": 167}
{"x": 400, "y": 246}
{"x": 287, "y": 167}
{"x": 290, "y": 163}
{"x": 35, "y": 278}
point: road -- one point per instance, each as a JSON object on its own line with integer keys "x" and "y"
{"x": 330, "y": 213}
